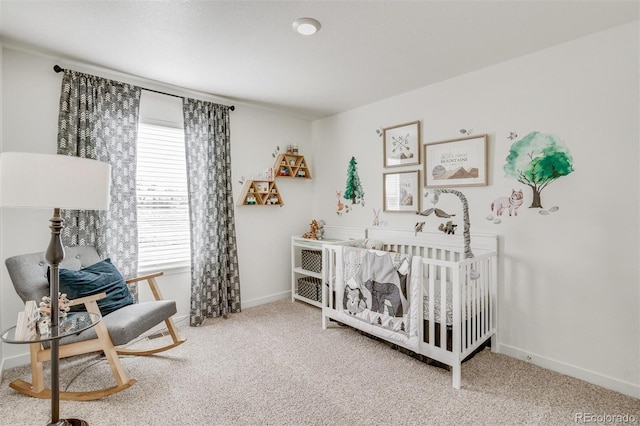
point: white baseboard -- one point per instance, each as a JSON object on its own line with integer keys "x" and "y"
{"x": 265, "y": 299}
{"x": 15, "y": 361}
{"x": 611, "y": 383}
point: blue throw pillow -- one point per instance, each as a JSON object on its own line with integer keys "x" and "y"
{"x": 101, "y": 277}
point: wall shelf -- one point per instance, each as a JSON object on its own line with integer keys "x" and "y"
{"x": 292, "y": 166}
{"x": 260, "y": 193}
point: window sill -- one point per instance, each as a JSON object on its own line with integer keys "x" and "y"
{"x": 166, "y": 270}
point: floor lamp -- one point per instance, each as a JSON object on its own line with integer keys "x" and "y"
{"x": 54, "y": 182}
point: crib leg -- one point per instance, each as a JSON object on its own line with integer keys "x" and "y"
{"x": 494, "y": 343}
{"x": 324, "y": 321}
{"x": 455, "y": 371}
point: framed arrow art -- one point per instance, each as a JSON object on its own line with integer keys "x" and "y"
{"x": 402, "y": 144}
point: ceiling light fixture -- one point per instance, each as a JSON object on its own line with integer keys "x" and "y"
{"x": 306, "y": 26}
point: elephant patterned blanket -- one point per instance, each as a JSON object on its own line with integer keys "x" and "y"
{"x": 377, "y": 288}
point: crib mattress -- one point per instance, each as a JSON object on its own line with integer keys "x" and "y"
{"x": 437, "y": 302}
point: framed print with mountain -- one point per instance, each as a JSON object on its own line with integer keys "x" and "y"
{"x": 456, "y": 162}
{"x": 402, "y": 144}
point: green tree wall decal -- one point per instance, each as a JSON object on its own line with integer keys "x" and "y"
{"x": 537, "y": 160}
{"x": 353, "y": 190}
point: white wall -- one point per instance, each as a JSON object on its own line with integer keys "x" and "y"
{"x": 569, "y": 292}
{"x": 31, "y": 94}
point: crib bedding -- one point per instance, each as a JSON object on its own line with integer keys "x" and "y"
{"x": 437, "y": 311}
{"x": 377, "y": 289}
{"x": 371, "y": 269}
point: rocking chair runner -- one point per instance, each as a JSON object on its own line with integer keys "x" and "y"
{"x": 28, "y": 273}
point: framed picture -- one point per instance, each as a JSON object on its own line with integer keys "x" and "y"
{"x": 401, "y": 191}
{"x": 402, "y": 144}
{"x": 456, "y": 162}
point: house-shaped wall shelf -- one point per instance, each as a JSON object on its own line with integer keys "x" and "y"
{"x": 291, "y": 165}
{"x": 260, "y": 193}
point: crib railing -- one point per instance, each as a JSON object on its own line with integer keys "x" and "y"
{"x": 467, "y": 288}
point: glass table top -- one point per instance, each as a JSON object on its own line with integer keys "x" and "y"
{"x": 74, "y": 323}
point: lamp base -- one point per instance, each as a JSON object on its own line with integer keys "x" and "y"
{"x": 69, "y": 422}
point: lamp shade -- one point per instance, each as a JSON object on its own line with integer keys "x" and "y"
{"x": 53, "y": 181}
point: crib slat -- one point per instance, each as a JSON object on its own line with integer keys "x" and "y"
{"x": 458, "y": 331}
{"x": 464, "y": 320}
{"x": 473, "y": 308}
{"x": 432, "y": 326}
{"x": 444, "y": 344}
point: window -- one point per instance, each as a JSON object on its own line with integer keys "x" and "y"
{"x": 163, "y": 209}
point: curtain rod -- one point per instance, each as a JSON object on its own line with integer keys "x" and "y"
{"x": 58, "y": 68}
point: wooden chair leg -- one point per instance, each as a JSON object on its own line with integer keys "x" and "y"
{"x": 111, "y": 354}
{"x": 37, "y": 370}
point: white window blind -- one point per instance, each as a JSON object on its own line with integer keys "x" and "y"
{"x": 163, "y": 210}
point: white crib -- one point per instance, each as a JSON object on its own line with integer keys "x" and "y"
{"x": 453, "y": 304}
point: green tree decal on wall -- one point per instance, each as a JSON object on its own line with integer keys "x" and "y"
{"x": 537, "y": 160}
{"x": 353, "y": 190}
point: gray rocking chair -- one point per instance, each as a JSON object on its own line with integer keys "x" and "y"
{"x": 28, "y": 273}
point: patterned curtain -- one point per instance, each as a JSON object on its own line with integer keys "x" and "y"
{"x": 98, "y": 119}
{"x": 215, "y": 282}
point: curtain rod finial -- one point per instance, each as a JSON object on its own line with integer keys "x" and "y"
{"x": 57, "y": 68}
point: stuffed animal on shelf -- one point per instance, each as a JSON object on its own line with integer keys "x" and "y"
{"x": 449, "y": 228}
{"x": 313, "y": 231}
{"x": 320, "y": 230}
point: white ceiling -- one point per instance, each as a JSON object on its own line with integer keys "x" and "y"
{"x": 246, "y": 51}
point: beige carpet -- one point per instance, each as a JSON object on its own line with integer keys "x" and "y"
{"x": 274, "y": 365}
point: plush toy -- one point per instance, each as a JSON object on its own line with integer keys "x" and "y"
{"x": 449, "y": 228}
{"x": 320, "y": 230}
{"x": 373, "y": 244}
{"x": 313, "y": 231}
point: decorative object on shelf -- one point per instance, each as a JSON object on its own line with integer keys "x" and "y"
{"x": 401, "y": 191}
{"x": 353, "y": 190}
{"x": 402, "y": 144}
{"x": 27, "y": 323}
{"x": 44, "y": 323}
{"x": 312, "y": 260}
{"x": 320, "y": 231}
{"x": 449, "y": 228}
{"x": 456, "y": 162}
{"x": 310, "y": 288}
{"x": 63, "y": 305}
{"x": 312, "y": 234}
